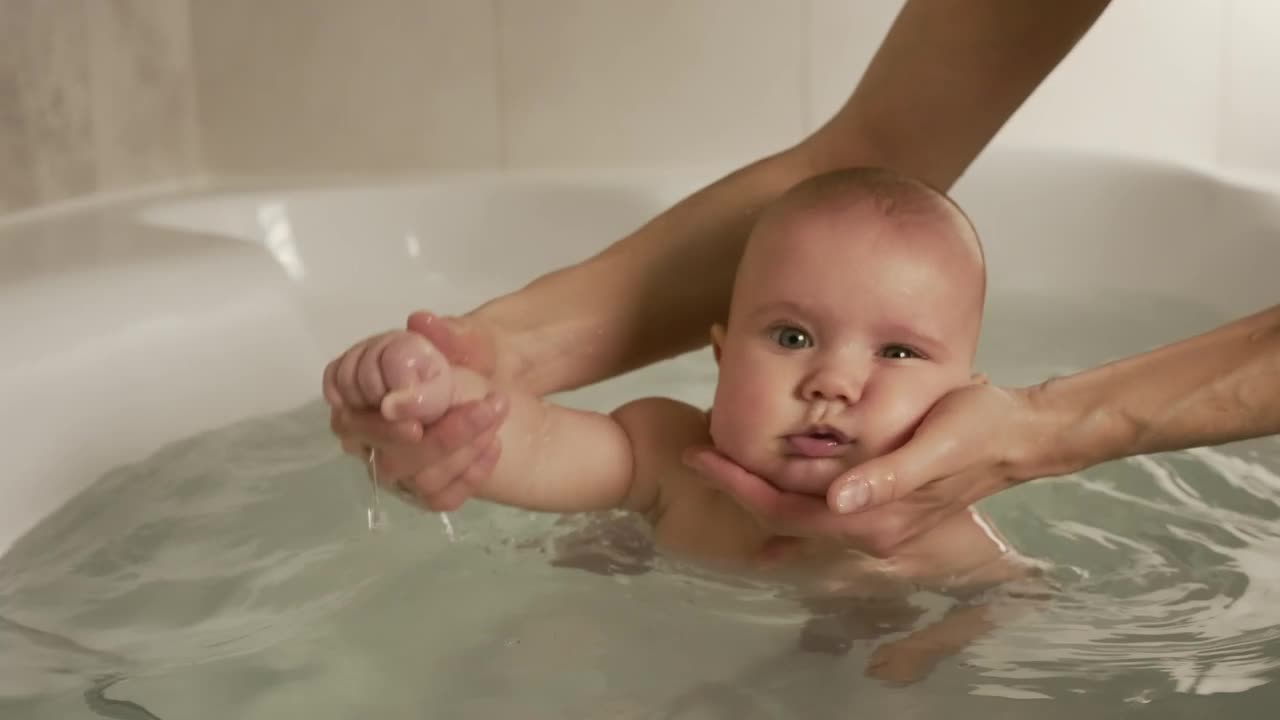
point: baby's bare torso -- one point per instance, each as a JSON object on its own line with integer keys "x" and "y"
{"x": 695, "y": 521}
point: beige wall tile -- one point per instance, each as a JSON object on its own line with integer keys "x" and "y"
{"x": 1248, "y": 134}
{"x": 49, "y": 74}
{"x": 845, "y": 35}
{"x": 330, "y": 85}
{"x": 660, "y": 82}
{"x": 17, "y": 161}
{"x": 93, "y": 96}
{"x": 1146, "y": 79}
{"x": 145, "y": 125}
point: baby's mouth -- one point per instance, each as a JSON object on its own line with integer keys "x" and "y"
{"x": 818, "y": 442}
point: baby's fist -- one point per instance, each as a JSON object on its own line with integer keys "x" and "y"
{"x": 418, "y": 378}
{"x": 401, "y": 374}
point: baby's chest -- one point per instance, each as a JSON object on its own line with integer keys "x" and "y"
{"x": 707, "y": 527}
{"x": 703, "y": 525}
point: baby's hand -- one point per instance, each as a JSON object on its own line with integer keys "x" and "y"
{"x": 401, "y": 374}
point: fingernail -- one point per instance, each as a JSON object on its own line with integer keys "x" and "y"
{"x": 852, "y": 496}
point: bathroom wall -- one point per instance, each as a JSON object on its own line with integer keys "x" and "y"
{"x": 95, "y": 96}
{"x": 1249, "y": 132}
{"x": 587, "y": 83}
{"x": 110, "y": 94}
{"x": 336, "y": 85}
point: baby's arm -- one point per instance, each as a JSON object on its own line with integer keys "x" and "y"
{"x": 551, "y": 458}
{"x": 558, "y": 459}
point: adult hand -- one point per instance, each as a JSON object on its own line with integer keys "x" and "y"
{"x": 974, "y": 442}
{"x": 443, "y": 463}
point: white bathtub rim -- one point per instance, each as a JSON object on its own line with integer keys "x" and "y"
{"x": 132, "y": 200}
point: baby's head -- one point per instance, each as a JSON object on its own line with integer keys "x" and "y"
{"x": 857, "y": 305}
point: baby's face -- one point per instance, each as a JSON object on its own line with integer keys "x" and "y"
{"x": 843, "y": 332}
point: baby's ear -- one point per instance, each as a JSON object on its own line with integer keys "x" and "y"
{"x": 980, "y": 379}
{"x": 717, "y": 340}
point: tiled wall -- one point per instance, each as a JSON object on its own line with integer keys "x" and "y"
{"x": 1249, "y": 134}
{"x": 103, "y": 94}
{"x": 331, "y": 85}
{"x": 94, "y": 96}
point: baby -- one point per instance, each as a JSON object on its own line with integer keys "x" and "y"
{"x": 856, "y": 306}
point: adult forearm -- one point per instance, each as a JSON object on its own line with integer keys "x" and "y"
{"x": 947, "y": 77}
{"x": 650, "y": 296}
{"x": 1217, "y": 387}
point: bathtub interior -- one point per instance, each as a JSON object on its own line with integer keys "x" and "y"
{"x": 186, "y": 312}
{"x": 132, "y": 326}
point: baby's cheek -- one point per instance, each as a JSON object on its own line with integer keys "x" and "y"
{"x": 731, "y": 417}
{"x": 739, "y": 419}
{"x": 893, "y": 418}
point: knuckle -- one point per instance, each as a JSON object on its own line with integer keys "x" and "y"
{"x": 884, "y": 488}
{"x": 392, "y": 357}
{"x": 370, "y": 380}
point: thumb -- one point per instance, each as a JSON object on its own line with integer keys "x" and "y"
{"x": 891, "y": 476}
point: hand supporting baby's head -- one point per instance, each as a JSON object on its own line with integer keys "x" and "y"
{"x": 857, "y": 305}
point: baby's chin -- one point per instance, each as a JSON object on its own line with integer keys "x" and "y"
{"x": 803, "y": 476}
{"x": 806, "y": 476}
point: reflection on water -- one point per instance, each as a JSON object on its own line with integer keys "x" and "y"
{"x": 232, "y": 575}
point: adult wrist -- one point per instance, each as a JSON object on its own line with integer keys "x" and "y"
{"x": 531, "y": 351}
{"x": 505, "y": 338}
{"x": 1075, "y": 425}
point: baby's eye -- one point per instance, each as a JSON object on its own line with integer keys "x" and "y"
{"x": 899, "y": 352}
{"x": 791, "y": 338}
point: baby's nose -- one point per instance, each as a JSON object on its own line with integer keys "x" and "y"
{"x": 829, "y": 395}
{"x": 832, "y": 387}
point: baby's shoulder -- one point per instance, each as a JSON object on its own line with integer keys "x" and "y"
{"x": 662, "y": 424}
{"x": 660, "y": 430}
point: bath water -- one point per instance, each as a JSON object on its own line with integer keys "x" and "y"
{"x": 232, "y": 575}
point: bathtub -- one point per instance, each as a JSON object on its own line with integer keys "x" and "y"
{"x": 186, "y": 312}
{"x": 131, "y": 324}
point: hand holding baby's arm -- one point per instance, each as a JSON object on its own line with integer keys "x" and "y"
{"x": 403, "y": 378}
{"x": 547, "y": 457}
